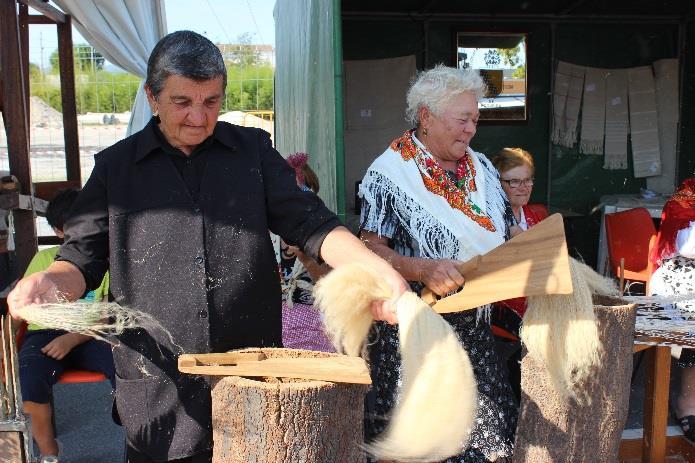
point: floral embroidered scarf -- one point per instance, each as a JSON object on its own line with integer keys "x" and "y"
{"x": 449, "y": 219}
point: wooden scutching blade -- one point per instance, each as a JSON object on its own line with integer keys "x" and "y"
{"x": 532, "y": 263}
{"x": 337, "y": 369}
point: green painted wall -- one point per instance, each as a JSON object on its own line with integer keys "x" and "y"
{"x": 575, "y": 182}
{"x": 686, "y": 158}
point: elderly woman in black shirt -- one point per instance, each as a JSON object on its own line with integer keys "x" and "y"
{"x": 179, "y": 213}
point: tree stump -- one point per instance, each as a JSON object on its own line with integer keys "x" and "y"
{"x": 552, "y": 429}
{"x": 273, "y": 420}
{"x": 11, "y": 447}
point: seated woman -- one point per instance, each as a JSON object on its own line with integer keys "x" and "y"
{"x": 674, "y": 255}
{"x": 516, "y": 170}
{"x": 302, "y": 327}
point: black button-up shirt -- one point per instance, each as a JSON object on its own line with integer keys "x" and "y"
{"x": 189, "y": 246}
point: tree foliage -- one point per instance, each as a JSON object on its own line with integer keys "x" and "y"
{"x": 520, "y": 72}
{"x": 249, "y": 84}
{"x": 510, "y": 56}
{"x": 243, "y": 53}
{"x": 86, "y": 58}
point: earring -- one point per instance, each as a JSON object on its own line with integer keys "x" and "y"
{"x": 155, "y": 113}
{"x": 424, "y": 131}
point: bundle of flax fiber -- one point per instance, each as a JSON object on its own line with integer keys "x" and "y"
{"x": 561, "y": 331}
{"x": 98, "y": 319}
{"x": 437, "y": 405}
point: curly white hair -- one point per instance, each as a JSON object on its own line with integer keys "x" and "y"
{"x": 435, "y": 87}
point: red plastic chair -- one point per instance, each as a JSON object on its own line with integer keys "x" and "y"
{"x": 629, "y": 235}
{"x": 68, "y": 376}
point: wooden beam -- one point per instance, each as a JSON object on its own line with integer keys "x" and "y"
{"x": 46, "y": 9}
{"x": 47, "y": 190}
{"x": 14, "y": 201}
{"x": 39, "y": 19}
{"x": 631, "y": 449}
{"x": 67, "y": 92}
{"x": 16, "y": 127}
{"x": 23, "y": 18}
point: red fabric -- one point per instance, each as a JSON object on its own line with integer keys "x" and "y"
{"x": 678, "y": 212}
{"x": 534, "y": 213}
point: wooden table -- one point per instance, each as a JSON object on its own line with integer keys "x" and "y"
{"x": 657, "y": 330}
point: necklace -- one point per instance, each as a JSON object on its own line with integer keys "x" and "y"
{"x": 455, "y": 192}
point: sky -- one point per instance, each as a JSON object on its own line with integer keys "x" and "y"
{"x": 222, "y": 21}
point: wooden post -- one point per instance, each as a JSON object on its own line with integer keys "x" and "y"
{"x": 67, "y": 93}
{"x": 656, "y": 391}
{"x": 24, "y": 46}
{"x": 16, "y": 125}
{"x": 552, "y": 429}
{"x": 269, "y": 420}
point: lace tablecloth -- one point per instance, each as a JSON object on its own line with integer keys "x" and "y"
{"x": 667, "y": 326}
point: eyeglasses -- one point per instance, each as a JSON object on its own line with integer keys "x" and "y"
{"x": 517, "y": 182}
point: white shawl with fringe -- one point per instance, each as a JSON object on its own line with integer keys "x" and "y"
{"x": 440, "y": 231}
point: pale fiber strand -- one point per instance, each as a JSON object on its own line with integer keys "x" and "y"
{"x": 437, "y": 404}
{"x": 561, "y": 332}
{"x": 101, "y": 320}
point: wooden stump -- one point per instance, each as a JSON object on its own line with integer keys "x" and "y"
{"x": 11, "y": 447}
{"x": 551, "y": 429}
{"x": 271, "y": 420}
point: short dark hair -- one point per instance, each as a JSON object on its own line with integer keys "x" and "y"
{"x": 185, "y": 54}
{"x": 58, "y": 209}
{"x": 310, "y": 178}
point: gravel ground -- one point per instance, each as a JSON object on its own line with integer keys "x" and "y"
{"x": 84, "y": 424}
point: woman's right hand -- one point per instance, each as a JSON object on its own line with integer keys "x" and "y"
{"x": 37, "y": 288}
{"x": 441, "y": 275}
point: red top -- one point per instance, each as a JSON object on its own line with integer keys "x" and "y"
{"x": 534, "y": 213}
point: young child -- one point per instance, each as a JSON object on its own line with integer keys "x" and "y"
{"x": 46, "y": 353}
{"x": 302, "y": 327}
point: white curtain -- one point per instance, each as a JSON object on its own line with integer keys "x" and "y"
{"x": 125, "y": 32}
{"x": 305, "y": 87}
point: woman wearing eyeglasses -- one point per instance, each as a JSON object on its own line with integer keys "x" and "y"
{"x": 516, "y": 170}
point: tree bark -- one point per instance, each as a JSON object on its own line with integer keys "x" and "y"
{"x": 272, "y": 420}
{"x": 551, "y": 429}
{"x": 11, "y": 447}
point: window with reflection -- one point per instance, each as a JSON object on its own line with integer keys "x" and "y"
{"x": 501, "y": 60}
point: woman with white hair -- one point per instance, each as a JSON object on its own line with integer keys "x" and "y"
{"x": 430, "y": 202}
